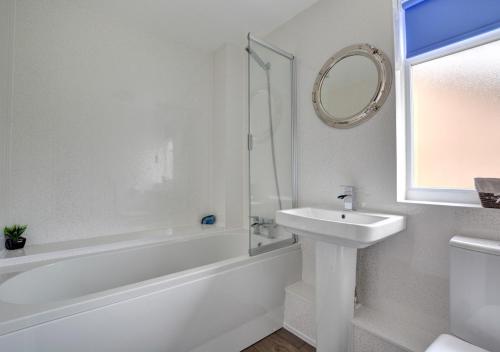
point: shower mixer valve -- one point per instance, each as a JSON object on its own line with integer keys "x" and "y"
{"x": 262, "y": 226}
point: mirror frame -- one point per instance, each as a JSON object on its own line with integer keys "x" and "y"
{"x": 384, "y": 69}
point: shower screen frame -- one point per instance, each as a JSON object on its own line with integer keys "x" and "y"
{"x": 293, "y": 148}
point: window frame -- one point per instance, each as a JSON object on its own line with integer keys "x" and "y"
{"x": 406, "y": 191}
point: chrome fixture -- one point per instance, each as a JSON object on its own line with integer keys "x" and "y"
{"x": 260, "y": 223}
{"x": 271, "y": 47}
{"x": 348, "y": 197}
{"x": 265, "y": 66}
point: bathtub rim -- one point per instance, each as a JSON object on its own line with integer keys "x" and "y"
{"x": 22, "y": 262}
{"x": 172, "y": 242}
{"x": 16, "y": 317}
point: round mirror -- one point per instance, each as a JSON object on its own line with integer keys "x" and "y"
{"x": 352, "y": 86}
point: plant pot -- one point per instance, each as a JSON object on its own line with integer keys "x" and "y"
{"x": 11, "y": 244}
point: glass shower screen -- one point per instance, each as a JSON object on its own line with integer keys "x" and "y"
{"x": 271, "y": 130}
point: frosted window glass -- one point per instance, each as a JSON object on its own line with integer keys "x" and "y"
{"x": 456, "y": 118}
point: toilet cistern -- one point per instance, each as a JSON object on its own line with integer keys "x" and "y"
{"x": 348, "y": 197}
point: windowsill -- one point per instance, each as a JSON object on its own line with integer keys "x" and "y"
{"x": 462, "y": 198}
{"x": 446, "y": 204}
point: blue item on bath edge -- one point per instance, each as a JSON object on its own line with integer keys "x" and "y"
{"x": 208, "y": 220}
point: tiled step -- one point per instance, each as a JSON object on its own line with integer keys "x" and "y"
{"x": 299, "y": 311}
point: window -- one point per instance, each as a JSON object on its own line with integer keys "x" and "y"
{"x": 448, "y": 98}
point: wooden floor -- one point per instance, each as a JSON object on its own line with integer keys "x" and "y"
{"x": 281, "y": 341}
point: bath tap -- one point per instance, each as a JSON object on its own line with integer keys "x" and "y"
{"x": 348, "y": 197}
{"x": 259, "y": 223}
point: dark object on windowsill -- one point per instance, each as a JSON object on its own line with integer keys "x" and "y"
{"x": 489, "y": 191}
{"x": 13, "y": 236}
{"x": 12, "y": 244}
{"x": 489, "y": 200}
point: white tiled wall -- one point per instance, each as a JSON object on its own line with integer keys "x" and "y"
{"x": 407, "y": 275}
{"x": 6, "y": 17}
{"x": 228, "y": 134}
{"x": 110, "y": 126}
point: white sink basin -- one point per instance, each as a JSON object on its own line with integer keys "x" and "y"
{"x": 338, "y": 235}
{"x": 345, "y": 228}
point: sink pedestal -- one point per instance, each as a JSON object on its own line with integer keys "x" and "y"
{"x": 337, "y": 234}
{"x": 335, "y": 283}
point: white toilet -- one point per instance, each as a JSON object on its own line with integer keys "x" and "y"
{"x": 474, "y": 297}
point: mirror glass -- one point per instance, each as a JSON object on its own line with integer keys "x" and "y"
{"x": 352, "y": 86}
{"x": 349, "y": 86}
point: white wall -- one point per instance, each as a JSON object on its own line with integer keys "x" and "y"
{"x": 407, "y": 275}
{"x": 110, "y": 126}
{"x": 6, "y": 37}
{"x": 228, "y": 130}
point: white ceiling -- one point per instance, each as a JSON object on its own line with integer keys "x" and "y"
{"x": 205, "y": 24}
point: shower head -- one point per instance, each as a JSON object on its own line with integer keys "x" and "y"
{"x": 257, "y": 58}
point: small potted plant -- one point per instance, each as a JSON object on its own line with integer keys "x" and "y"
{"x": 13, "y": 236}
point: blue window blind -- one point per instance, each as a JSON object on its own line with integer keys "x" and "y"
{"x": 432, "y": 24}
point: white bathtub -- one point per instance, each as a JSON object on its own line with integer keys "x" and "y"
{"x": 200, "y": 293}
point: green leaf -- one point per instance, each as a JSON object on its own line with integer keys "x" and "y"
{"x": 14, "y": 232}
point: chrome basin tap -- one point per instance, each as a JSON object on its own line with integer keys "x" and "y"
{"x": 348, "y": 197}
